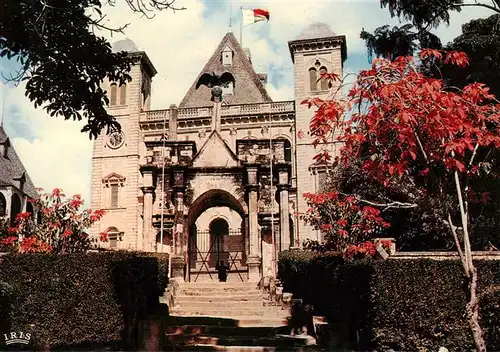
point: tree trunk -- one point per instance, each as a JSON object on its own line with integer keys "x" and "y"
{"x": 473, "y": 313}
{"x": 470, "y": 271}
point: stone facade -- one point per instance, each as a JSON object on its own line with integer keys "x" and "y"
{"x": 223, "y": 179}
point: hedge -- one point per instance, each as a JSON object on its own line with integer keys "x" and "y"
{"x": 404, "y": 305}
{"x": 91, "y": 299}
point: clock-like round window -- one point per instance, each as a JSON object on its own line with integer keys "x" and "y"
{"x": 116, "y": 140}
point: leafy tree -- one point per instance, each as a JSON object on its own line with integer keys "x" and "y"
{"x": 397, "y": 41}
{"x": 62, "y": 59}
{"x": 430, "y": 13}
{"x": 417, "y": 133}
{"x": 59, "y": 226}
{"x": 479, "y": 40}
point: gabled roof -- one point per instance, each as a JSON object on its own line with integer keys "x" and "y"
{"x": 248, "y": 87}
{"x": 215, "y": 153}
{"x": 12, "y": 169}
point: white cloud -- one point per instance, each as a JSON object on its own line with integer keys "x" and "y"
{"x": 59, "y": 155}
{"x": 179, "y": 44}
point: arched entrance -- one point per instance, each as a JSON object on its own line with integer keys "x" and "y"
{"x": 15, "y": 207}
{"x": 3, "y": 205}
{"x": 216, "y": 227}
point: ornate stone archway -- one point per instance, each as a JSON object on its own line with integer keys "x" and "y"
{"x": 200, "y": 262}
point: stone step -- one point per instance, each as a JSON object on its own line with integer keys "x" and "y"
{"x": 212, "y": 330}
{"x": 202, "y": 347}
{"x": 227, "y": 296}
{"x": 229, "y": 314}
{"x": 218, "y": 304}
{"x": 281, "y": 341}
{"x": 234, "y": 321}
{"x": 217, "y": 292}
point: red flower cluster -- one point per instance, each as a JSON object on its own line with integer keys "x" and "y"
{"x": 60, "y": 225}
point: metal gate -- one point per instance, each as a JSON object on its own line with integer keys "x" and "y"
{"x": 208, "y": 249}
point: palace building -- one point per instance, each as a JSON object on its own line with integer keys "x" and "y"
{"x": 211, "y": 182}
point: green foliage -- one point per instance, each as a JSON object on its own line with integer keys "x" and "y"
{"x": 81, "y": 299}
{"x": 422, "y": 13}
{"x": 63, "y": 60}
{"x": 406, "y": 305}
{"x": 479, "y": 40}
{"x": 391, "y": 43}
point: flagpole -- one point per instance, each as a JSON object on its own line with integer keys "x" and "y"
{"x": 230, "y": 15}
{"x": 241, "y": 26}
{"x": 273, "y": 246}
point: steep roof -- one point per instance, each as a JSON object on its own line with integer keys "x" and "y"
{"x": 248, "y": 87}
{"x": 11, "y": 168}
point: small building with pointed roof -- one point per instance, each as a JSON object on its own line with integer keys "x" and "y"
{"x": 16, "y": 186}
{"x": 214, "y": 181}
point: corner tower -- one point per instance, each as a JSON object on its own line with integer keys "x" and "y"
{"x": 318, "y": 49}
{"x": 116, "y": 178}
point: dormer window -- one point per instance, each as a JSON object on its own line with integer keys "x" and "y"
{"x": 228, "y": 90}
{"x": 4, "y": 148}
{"x": 20, "y": 181}
{"x": 227, "y": 56}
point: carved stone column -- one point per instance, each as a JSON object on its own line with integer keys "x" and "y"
{"x": 254, "y": 257}
{"x": 149, "y": 183}
{"x": 148, "y": 240}
{"x": 286, "y": 237}
{"x": 179, "y": 242}
{"x": 216, "y": 116}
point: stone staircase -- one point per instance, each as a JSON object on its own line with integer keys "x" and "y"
{"x": 227, "y": 316}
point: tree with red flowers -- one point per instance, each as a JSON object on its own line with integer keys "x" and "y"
{"x": 59, "y": 225}
{"x": 411, "y": 131}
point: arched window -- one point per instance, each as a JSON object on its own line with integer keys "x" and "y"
{"x": 123, "y": 94}
{"x": 112, "y": 94}
{"x": 324, "y": 82}
{"x": 288, "y": 149}
{"x": 313, "y": 79}
{"x": 113, "y": 234}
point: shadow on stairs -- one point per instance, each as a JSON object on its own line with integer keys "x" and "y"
{"x": 228, "y": 317}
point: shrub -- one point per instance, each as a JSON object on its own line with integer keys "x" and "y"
{"x": 81, "y": 299}
{"x": 404, "y": 305}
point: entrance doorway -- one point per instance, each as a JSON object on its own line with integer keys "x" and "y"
{"x": 216, "y": 229}
{"x": 219, "y": 229}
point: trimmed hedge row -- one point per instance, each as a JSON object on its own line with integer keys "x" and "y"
{"x": 81, "y": 299}
{"x": 404, "y": 305}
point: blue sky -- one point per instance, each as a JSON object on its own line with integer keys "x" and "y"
{"x": 56, "y": 154}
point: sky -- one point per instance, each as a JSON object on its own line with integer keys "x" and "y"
{"x": 55, "y": 152}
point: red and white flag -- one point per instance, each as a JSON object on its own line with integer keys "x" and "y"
{"x": 251, "y": 16}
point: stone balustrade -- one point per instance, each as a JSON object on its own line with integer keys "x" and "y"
{"x": 227, "y": 110}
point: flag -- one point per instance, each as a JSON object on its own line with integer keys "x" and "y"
{"x": 251, "y": 16}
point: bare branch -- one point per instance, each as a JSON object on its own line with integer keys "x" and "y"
{"x": 478, "y": 4}
{"x": 390, "y": 205}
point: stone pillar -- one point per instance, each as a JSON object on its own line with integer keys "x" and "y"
{"x": 254, "y": 257}
{"x": 216, "y": 116}
{"x": 149, "y": 183}
{"x": 286, "y": 237}
{"x": 179, "y": 243}
{"x": 148, "y": 240}
{"x": 172, "y": 123}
